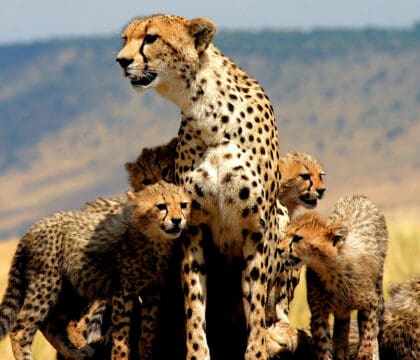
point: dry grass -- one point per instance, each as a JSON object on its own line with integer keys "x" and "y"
{"x": 402, "y": 263}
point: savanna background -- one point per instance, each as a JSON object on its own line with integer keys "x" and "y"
{"x": 349, "y": 96}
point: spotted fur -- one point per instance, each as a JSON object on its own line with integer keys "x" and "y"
{"x": 227, "y": 158}
{"x": 345, "y": 256}
{"x": 400, "y": 333}
{"x": 115, "y": 257}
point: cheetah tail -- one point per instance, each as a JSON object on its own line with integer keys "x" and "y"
{"x": 15, "y": 292}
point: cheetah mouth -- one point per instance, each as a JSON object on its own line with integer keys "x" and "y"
{"x": 174, "y": 231}
{"x": 291, "y": 261}
{"x": 147, "y": 78}
{"x": 308, "y": 201}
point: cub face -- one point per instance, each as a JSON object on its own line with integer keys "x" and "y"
{"x": 152, "y": 165}
{"x": 312, "y": 240}
{"x": 160, "y": 211}
{"x": 302, "y": 179}
{"x": 160, "y": 48}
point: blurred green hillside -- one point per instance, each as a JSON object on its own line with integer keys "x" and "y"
{"x": 68, "y": 121}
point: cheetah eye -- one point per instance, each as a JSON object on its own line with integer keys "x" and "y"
{"x": 150, "y": 39}
{"x": 162, "y": 207}
{"x": 184, "y": 205}
{"x": 146, "y": 181}
{"x": 305, "y": 176}
{"x": 321, "y": 176}
{"x": 296, "y": 238}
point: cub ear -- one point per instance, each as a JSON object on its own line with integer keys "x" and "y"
{"x": 202, "y": 30}
{"x": 131, "y": 195}
{"x": 338, "y": 233}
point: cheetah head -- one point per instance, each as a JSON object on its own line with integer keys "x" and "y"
{"x": 152, "y": 165}
{"x": 160, "y": 49}
{"x": 302, "y": 180}
{"x": 160, "y": 211}
{"x": 313, "y": 241}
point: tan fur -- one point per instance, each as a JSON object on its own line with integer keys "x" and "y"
{"x": 90, "y": 251}
{"x": 227, "y": 158}
{"x": 344, "y": 255}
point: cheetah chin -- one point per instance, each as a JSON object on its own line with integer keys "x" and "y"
{"x": 308, "y": 201}
{"x": 145, "y": 80}
{"x": 174, "y": 231}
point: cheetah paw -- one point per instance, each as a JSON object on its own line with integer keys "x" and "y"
{"x": 281, "y": 337}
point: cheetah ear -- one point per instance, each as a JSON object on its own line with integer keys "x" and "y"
{"x": 202, "y": 30}
{"x": 131, "y": 195}
{"x": 338, "y": 234}
{"x": 129, "y": 167}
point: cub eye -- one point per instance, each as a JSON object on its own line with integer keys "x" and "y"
{"x": 305, "y": 176}
{"x": 296, "y": 238}
{"x": 184, "y": 205}
{"x": 321, "y": 176}
{"x": 162, "y": 206}
{"x": 150, "y": 39}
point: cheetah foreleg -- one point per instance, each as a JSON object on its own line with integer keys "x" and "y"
{"x": 254, "y": 288}
{"x": 193, "y": 275}
{"x": 121, "y": 317}
{"x": 149, "y": 314}
{"x": 341, "y": 336}
{"x": 368, "y": 334}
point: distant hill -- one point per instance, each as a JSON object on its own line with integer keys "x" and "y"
{"x": 68, "y": 121}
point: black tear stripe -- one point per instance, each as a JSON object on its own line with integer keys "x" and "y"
{"x": 141, "y": 51}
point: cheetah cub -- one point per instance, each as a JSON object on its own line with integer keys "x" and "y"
{"x": 116, "y": 257}
{"x": 399, "y": 338}
{"x": 345, "y": 257}
{"x": 302, "y": 181}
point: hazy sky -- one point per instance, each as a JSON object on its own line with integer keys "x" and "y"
{"x": 25, "y": 20}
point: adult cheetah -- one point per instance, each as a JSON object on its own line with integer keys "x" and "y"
{"x": 115, "y": 257}
{"x": 345, "y": 257}
{"x": 227, "y": 158}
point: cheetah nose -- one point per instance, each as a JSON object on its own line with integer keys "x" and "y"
{"x": 124, "y": 62}
{"x": 320, "y": 192}
{"x": 176, "y": 221}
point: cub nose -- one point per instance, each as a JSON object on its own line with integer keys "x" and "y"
{"x": 124, "y": 62}
{"x": 176, "y": 221}
{"x": 320, "y": 192}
